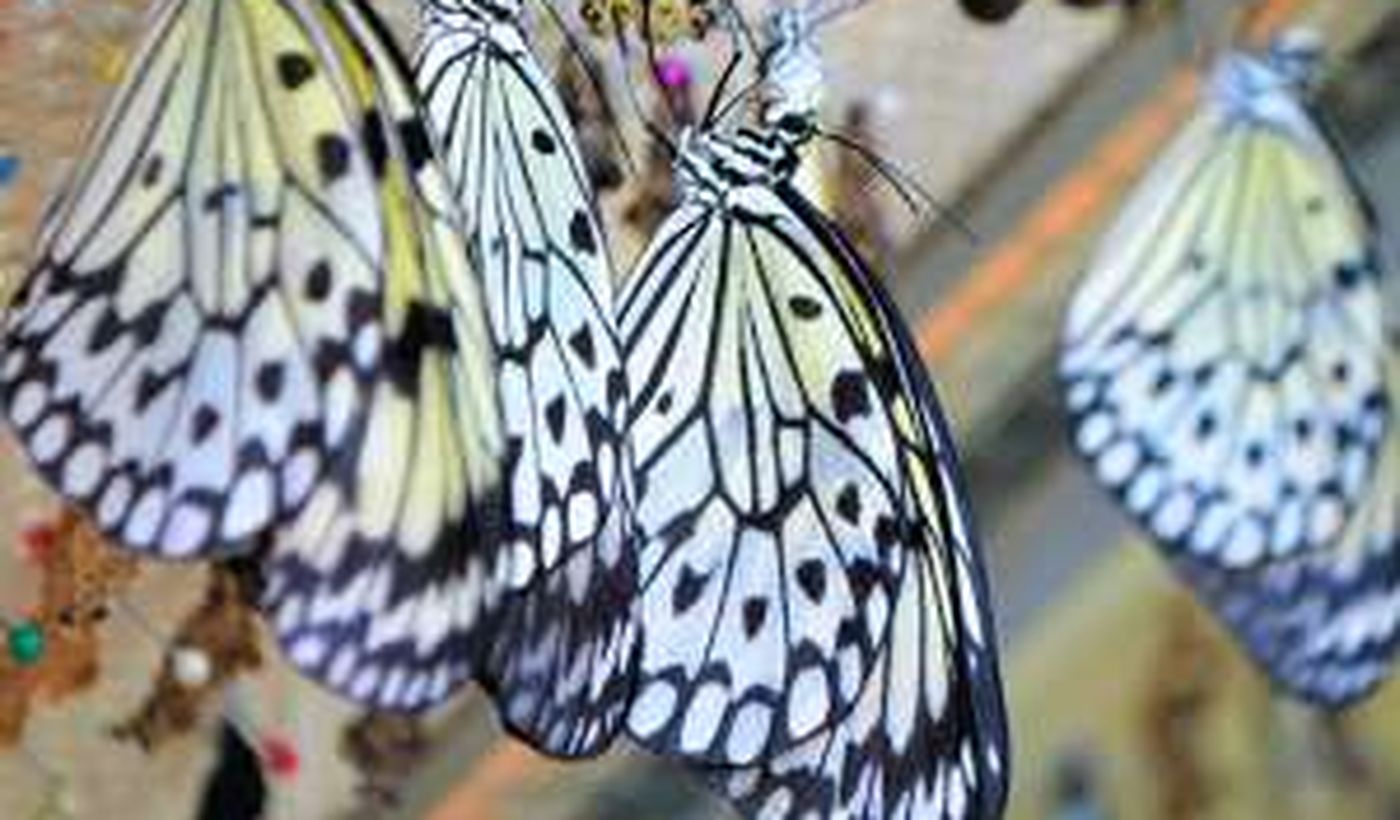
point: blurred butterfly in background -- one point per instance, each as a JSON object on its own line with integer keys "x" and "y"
{"x": 1226, "y": 370}
{"x": 999, "y": 11}
{"x": 251, "y": 321}
{"x": 817, "y": 635}
{"x": 561, "y": 667}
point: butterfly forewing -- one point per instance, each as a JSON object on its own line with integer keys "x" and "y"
{"x": 1223, "y": 356}
{"x": 189, "y": 352}
{"x": 532, "y": 226}
{"x": 926, "y": 737}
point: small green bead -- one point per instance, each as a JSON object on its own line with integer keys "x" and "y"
{"x": 26, "y": 641}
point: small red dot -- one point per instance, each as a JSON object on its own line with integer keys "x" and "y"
{"x": 37, "y": 542}
{"x": 281, "y": 757}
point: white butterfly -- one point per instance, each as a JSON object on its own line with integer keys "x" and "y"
{"x": 1225, "y": 366}
{"x": 817, "y": 637}
{"x": 561, "y": 667}
{"x": 1223, "y": 356}
{"x": 252, "y": 318}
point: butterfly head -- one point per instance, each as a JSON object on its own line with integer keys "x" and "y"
{"x": 709, "y": 165}
{"x": 793, "y": 77}
{"x": 1296, "y": 53}
{"x": 1266, "y": 88}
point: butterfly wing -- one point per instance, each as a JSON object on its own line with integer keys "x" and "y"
{"x": 1223, "y": 356}
{"x": 187, "y": 357}
{"x": 804, "y": 554}
{"x": 1324, "y": 626}
{"x": 926, "y": 736}
{"x": 381, "y": 586}
{"x": 905, "y": 750}
{"x": 534, "y": 229}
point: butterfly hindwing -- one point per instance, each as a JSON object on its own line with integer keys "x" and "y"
{"x": 1326, "y": 625}
{"x": 560, "y": 671}
{"x": 187, "y": 356}
{"x": 381, "y": 586}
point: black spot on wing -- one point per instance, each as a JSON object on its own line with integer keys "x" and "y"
{"x": 755, "y": 613}
{"x": 811, "y": 576}
{"x": 582, "y": 344}
{"x": 554, "y": 417}
{"x": 581, "y": 234}
{"x": 153, "y": 171}
{"x": 205, "y": 422}
{"x": 427, "y": 328}
{"x": 541, "y": 141}
{"x": 332, "y": 157}
{"x": 848, "y": 504}
{"x": 269, "y": 381}
{"x": 687, "y": 590}
{"x": 418, "y": 148}
{"x": 294, "y": 70}
{"x": 318, "y": 281}
{"x": 805, "y": 307}
{"x": 376, "y": 143}
{"x": 849, "y": 397}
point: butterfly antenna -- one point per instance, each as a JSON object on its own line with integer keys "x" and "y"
{"x": 740, "y": 24}
{"x": 654, "y": 130}
{"x": 734, "y": 24}
{"x": 594, "y": 73}
{"x": 914, "y": 196}
{"x": 722, "y": 112}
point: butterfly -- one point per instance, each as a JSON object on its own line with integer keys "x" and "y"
{"x": 561, "y": 668}
{"x": 1223, "y": 357}
{"x": 817, "y": 633}
{"x": 252, "y": 323}
{"x": 1224, "y": 361}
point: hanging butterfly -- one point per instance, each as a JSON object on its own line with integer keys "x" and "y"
{"x": 252, "y": 320}
{"x": 561, "y": 667}
{"x": 817, "y": 637}
{"x": 1224, "y": 365}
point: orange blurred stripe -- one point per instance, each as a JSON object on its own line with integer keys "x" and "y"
{"x": 1075, "y": 204}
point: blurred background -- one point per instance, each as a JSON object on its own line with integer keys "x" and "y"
{"x": 1127, "y": 700}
